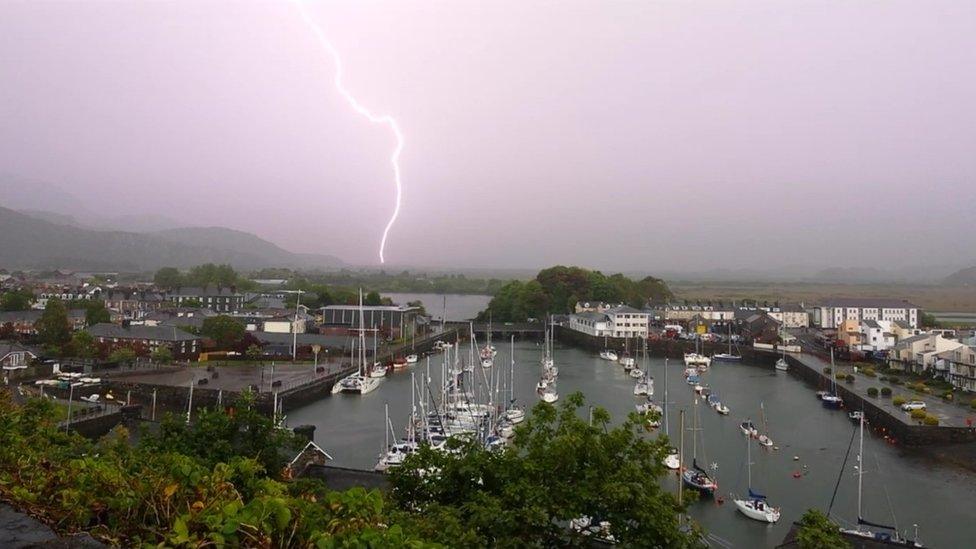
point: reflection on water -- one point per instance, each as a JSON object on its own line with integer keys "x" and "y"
{"x": 458, "y": 306}
{"x": 940, "y": 500}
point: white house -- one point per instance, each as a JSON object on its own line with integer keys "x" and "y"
{"x": 919, "y": 353}
{"x": 961, "y": 366}
{"x": 619, "y": 321}
{"x": 877, "y": 335}
{"x": 590, "y": 323}
{"x": 833, "y": 312}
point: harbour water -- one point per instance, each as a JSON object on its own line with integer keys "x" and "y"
{"x": 897, "y": 486}
{"x": 459, "y": 306}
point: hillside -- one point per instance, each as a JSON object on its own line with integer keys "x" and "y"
{"x": 962, "y": 277}
{"x": 29, "y": 242}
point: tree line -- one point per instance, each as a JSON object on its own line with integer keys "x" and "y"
{"x": 556, "y": 290}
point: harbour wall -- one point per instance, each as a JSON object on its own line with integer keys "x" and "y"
{"x": 803, "y": 367}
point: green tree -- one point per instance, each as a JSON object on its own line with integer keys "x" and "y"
{"x": 519, "y": 497}
{"x": 53, "y": 328}
{"x": 372, "y": 299}
{"x": 223, "y": 330}
{"x": 122, "y": 354}
{"x": 17, "y": 300}
{"x": 169, "y": 278}
{"x": 818, "y": 532}
{"x": 83, "y": 345}
{"x": 162, "y": 354}
{"x": 96, "y": 313}
{"x": 928, "y": 320}
{"x": 253, "y": 353}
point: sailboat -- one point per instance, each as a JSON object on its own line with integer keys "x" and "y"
{"x": 696, "y": 477}
{"x": 697, "y": 359}
{"x": 606, "y": 353}
{"x": 755, "y": 506}
{"x": 488, "y": 352}
{"x": 889, "y": 536}
{"x": 359, "y": 382}
{"x": 514, "y": 414}
{"x": 781, "y": 363}
{"x": 764, "y": 437}
{"x": 395, "y": 454}
{"x": 830, "y": 399}
{"x": 727, "y": 357}
{"x": 672, "y": 460}
{"x": 748, "y": 428}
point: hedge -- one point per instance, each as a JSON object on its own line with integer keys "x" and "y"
{"x": 872, "y": 391}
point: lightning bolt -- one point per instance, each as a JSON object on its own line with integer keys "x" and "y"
{"x": 359, "y": 108}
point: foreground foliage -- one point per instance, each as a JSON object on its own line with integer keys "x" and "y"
{"x": 561, "y": 467}
{"x": 818, "y": 532}
{"x": 144, "y": 494}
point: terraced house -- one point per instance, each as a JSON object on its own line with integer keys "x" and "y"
{"x": 183, "y": 345}
{"x": 216, "y": 298}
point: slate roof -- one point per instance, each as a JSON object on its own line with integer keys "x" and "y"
{"x": 158, "y": 333}
{"x": 869, "y": 302}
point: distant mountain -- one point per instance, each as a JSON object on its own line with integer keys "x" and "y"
{"x": 30, "y": 242}
{"x": 962, "y": 277}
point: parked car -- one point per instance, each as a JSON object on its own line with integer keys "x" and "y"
{"x": 913, "y": 405}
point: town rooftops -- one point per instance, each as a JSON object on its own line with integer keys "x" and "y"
{"x": 913, "y": 339}
{"x": 872, "y": 324}
{"x": 157, "y": 333}
{"x": 207, "y": 291}
{"x": 34, "y": 315}
{"x": 7, "y": 347}
{"x": 623, "y": 309}
{"x": 869, "y": 302}
{"x": 592, "y": 316}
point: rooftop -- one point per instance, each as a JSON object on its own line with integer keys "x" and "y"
{"x": 158, "y": 333}
{"x": 870, "y": 302}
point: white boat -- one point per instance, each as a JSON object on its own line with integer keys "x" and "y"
{"x": 394, "y": 454}
{"x": 487, "y": 363}
{"x": 748, "y": 429}
{"x": 672, "y": 460}
{"x": 764, "y": 439}
{"x": 642, "y": 388}
{"x": 377, "y": 370}
{"x": 627, "y": 362}
{"x": 691, "y": 372}
{"x": 722, "y": 409}
{"x": 637, "y": 373}
{"x": 755, "y": 505}
{"x": 550, "y": 395}
{"x": 412, "y": 359}
{"x": 697, "y": 360}
{"x": 862, "y": 530}
{"x": 607, "y": 354}
{"x": 515, "y": 415}
{"x": 362, "y": 381}
{"x": 729, "y": 356}
{"x": 782, "y": 365}
{"x": 541, "y": 386}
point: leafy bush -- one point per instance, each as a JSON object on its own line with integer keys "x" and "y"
{"x": 931, "y": 420}
{"x": 850, "y": 378}
{"x": 918, "y": 414}
{"x": 947, "y": 396}
{"x": 872, "y": 391}
{"x": 899, "y": 400}
{"x": 894, "y": 380}
{"x": 972, "y": 404}
{"x": 886, "y": 391}
{"x": 869, "y": 371}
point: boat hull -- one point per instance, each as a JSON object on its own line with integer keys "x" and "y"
{"x": 748, "y": 508}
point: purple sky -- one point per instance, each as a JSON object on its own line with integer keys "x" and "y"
{"x": 638, "y": 135}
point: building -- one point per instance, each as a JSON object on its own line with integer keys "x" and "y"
{"x": 618, "y": 321}
{"x": 849, "y": 333}
{"x": 176, "y": 317}
{"x": 182, "y": 345}
{"x": 392, "y": 321}
{"x": 23, "y": 322}
{"x": 676, "y": 311}
{"x": 14, "y": 356}
{"x": 216, "y": 298}
{"x": 133, "y": 304}
{"x": 590, "y": 323}
{"x": 876, "y": 335}
{"x": 918, "y": 353}
{"x": 833, "y": 312}
{"x": 960, "y": 367}
{"x": 760, "y": 328}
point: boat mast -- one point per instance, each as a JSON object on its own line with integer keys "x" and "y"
{"x": 749, "y": 461}
{"x": 666, "y": 430}
{"x": 681, "y": 451}
{"x": 512, "y": 374}
{"x": 860, "y": 467}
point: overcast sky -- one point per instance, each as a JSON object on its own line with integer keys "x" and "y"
{"x": 621, "y": 135}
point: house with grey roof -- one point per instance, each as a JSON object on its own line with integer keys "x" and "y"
{"x": 14, "y": 356}
{"x": 833, "y": 312}
{"x": 183, "y": 345}
{"x": 221, "y": 299}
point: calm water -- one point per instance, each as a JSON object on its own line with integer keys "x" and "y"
{"x": 459, "y": 306}
{"x": 939, "y": 499}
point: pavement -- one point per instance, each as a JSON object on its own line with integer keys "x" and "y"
{"x": 20, "y": 531}
{"x": 236, "y": 377}
{"x": 949, "y": 414}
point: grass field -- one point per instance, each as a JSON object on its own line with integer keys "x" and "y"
{"x": 928, "y": 297}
